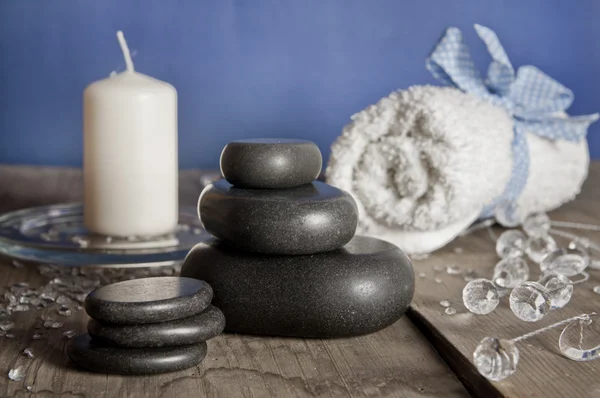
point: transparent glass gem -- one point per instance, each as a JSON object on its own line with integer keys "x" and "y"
{"x": 28, "y": 353}
{"x": 511, "y": 243}
{"x": 480, "y": 296}
{"x": 536, "y": 224}
{"x": 453, "y": 270}
{"x": 510, "y": 271}
{"x": 580, "y": 340}
{"x": 445, "y": 303}
{"x": 538, "y": 247}
{"x": 496, "y": 359}
{"x": 450, "y": 311}
{"x": 530, "y": 301}
{"x": 16, "y": 374}
{"x": 560, "y": 289}
{"x": 566, "y": 261}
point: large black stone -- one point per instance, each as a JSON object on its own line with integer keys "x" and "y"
{"x": 361, "y": 288}
{"x": 148, "y": 300}
{"x": 191, "y": 330}
{"x": 312, "y": 218}
{"x": 97, "y": 357}
{"x": 270, "y": 163}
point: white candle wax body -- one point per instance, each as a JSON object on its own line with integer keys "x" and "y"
{"x": 130, "y": 156}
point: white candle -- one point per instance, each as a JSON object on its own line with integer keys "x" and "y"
{"x": 130, "y": 154}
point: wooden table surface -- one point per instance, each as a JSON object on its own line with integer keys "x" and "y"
{"x": 400, "y": 361}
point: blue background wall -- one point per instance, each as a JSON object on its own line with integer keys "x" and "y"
{"x": 294, "y": 68}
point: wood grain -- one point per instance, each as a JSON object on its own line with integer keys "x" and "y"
{"x": 396, "y": 362}
{"x": 542, "y": 370}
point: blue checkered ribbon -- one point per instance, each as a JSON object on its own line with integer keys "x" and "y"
{"x": 534, "y": 100}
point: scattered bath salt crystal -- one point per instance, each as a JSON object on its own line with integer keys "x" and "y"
{"x": 20, "y": 308}
{"x": 16, "y": 374}
{"x": 196, "y": 231}
{"x": 70, "y": 334}
{"x": 53, "y": 324}
{"x": 438, "y": 268}
{"x": 7, "y": 325}
{"x": 36, "y": 336}
{"x": 453, "y": 270}
{"x": 422, "y": 274}
{"x": 450, "y": 311}
{"x": 597, "y": 289}
{"x": 8, "y": 296}
{"x": 64, "y": 311}
{"x": 108, "y": 239}
{"x": 458, "y": 250}
{"x": 437, "y": 280}
{"x": 2, "y": 333}
{"x": 46, "y": 318}
{"x": 28, "y": 353}
{"x": 17, "y": 264}
{"x": 29, "y": 388}
{"x": 445, "y": 303}
{"x": 10, "y": 336}
{"x": 131, "y": 238}
{"x": 63, "y": 300}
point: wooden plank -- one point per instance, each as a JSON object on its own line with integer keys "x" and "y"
{"x": 542, "y": 370}
{"x": 396, "y": 362}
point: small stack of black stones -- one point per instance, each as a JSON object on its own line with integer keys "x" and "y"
{"x": 283, "y": 260}
{"x": 149, "y": 325}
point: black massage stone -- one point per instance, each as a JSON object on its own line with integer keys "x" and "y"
{"x": 358, "y": 289}
{"x": 270, "y": 163}
{"x": 98, "y": 357}
{"x": 311, "y": 218}
{"x": 148, "y": 300}
{"x": 191, "y": 330}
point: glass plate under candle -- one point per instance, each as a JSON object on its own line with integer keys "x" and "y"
{"x": 55, "y": 234}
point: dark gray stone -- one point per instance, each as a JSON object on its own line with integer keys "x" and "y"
{"x": 270, "y": 163}
{"x": 191, "y": 330}
{"x": 308, "y": 219}
{"x": 101, "y": 358}
{"x": 361, "y": 288}
{"x": 148, "y": 300}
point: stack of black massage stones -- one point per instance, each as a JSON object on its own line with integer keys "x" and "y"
{"x": 284, "y": 260}
{"x": 149, "y": 325}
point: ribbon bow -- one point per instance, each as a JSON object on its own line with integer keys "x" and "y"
{"x": 535, "y": 101}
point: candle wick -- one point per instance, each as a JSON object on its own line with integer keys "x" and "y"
{"x": 126, "y": 53}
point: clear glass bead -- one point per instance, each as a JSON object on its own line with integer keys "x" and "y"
{"x": 496, "y": 359}
{"x": 480, "y": 296}
{"x": 450, "y": 311}
{"x": 538, "y": 247}
{"x": 579, "y": 339}
{"x": 560, "y": 289}
{"x": 506, "y": 214}
{"x": 537, "y": 224}
{"x": 566, "y": 261}
{"x": 510, "y": 271}
{"x": 511, "y": 243}
{"x": 530, "y": 301}
{"x": 17, "y": 374}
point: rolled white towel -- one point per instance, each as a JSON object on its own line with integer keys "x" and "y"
{"x": 422, "y": 163}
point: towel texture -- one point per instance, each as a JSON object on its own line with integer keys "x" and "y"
{"x": 422, "y": 163}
